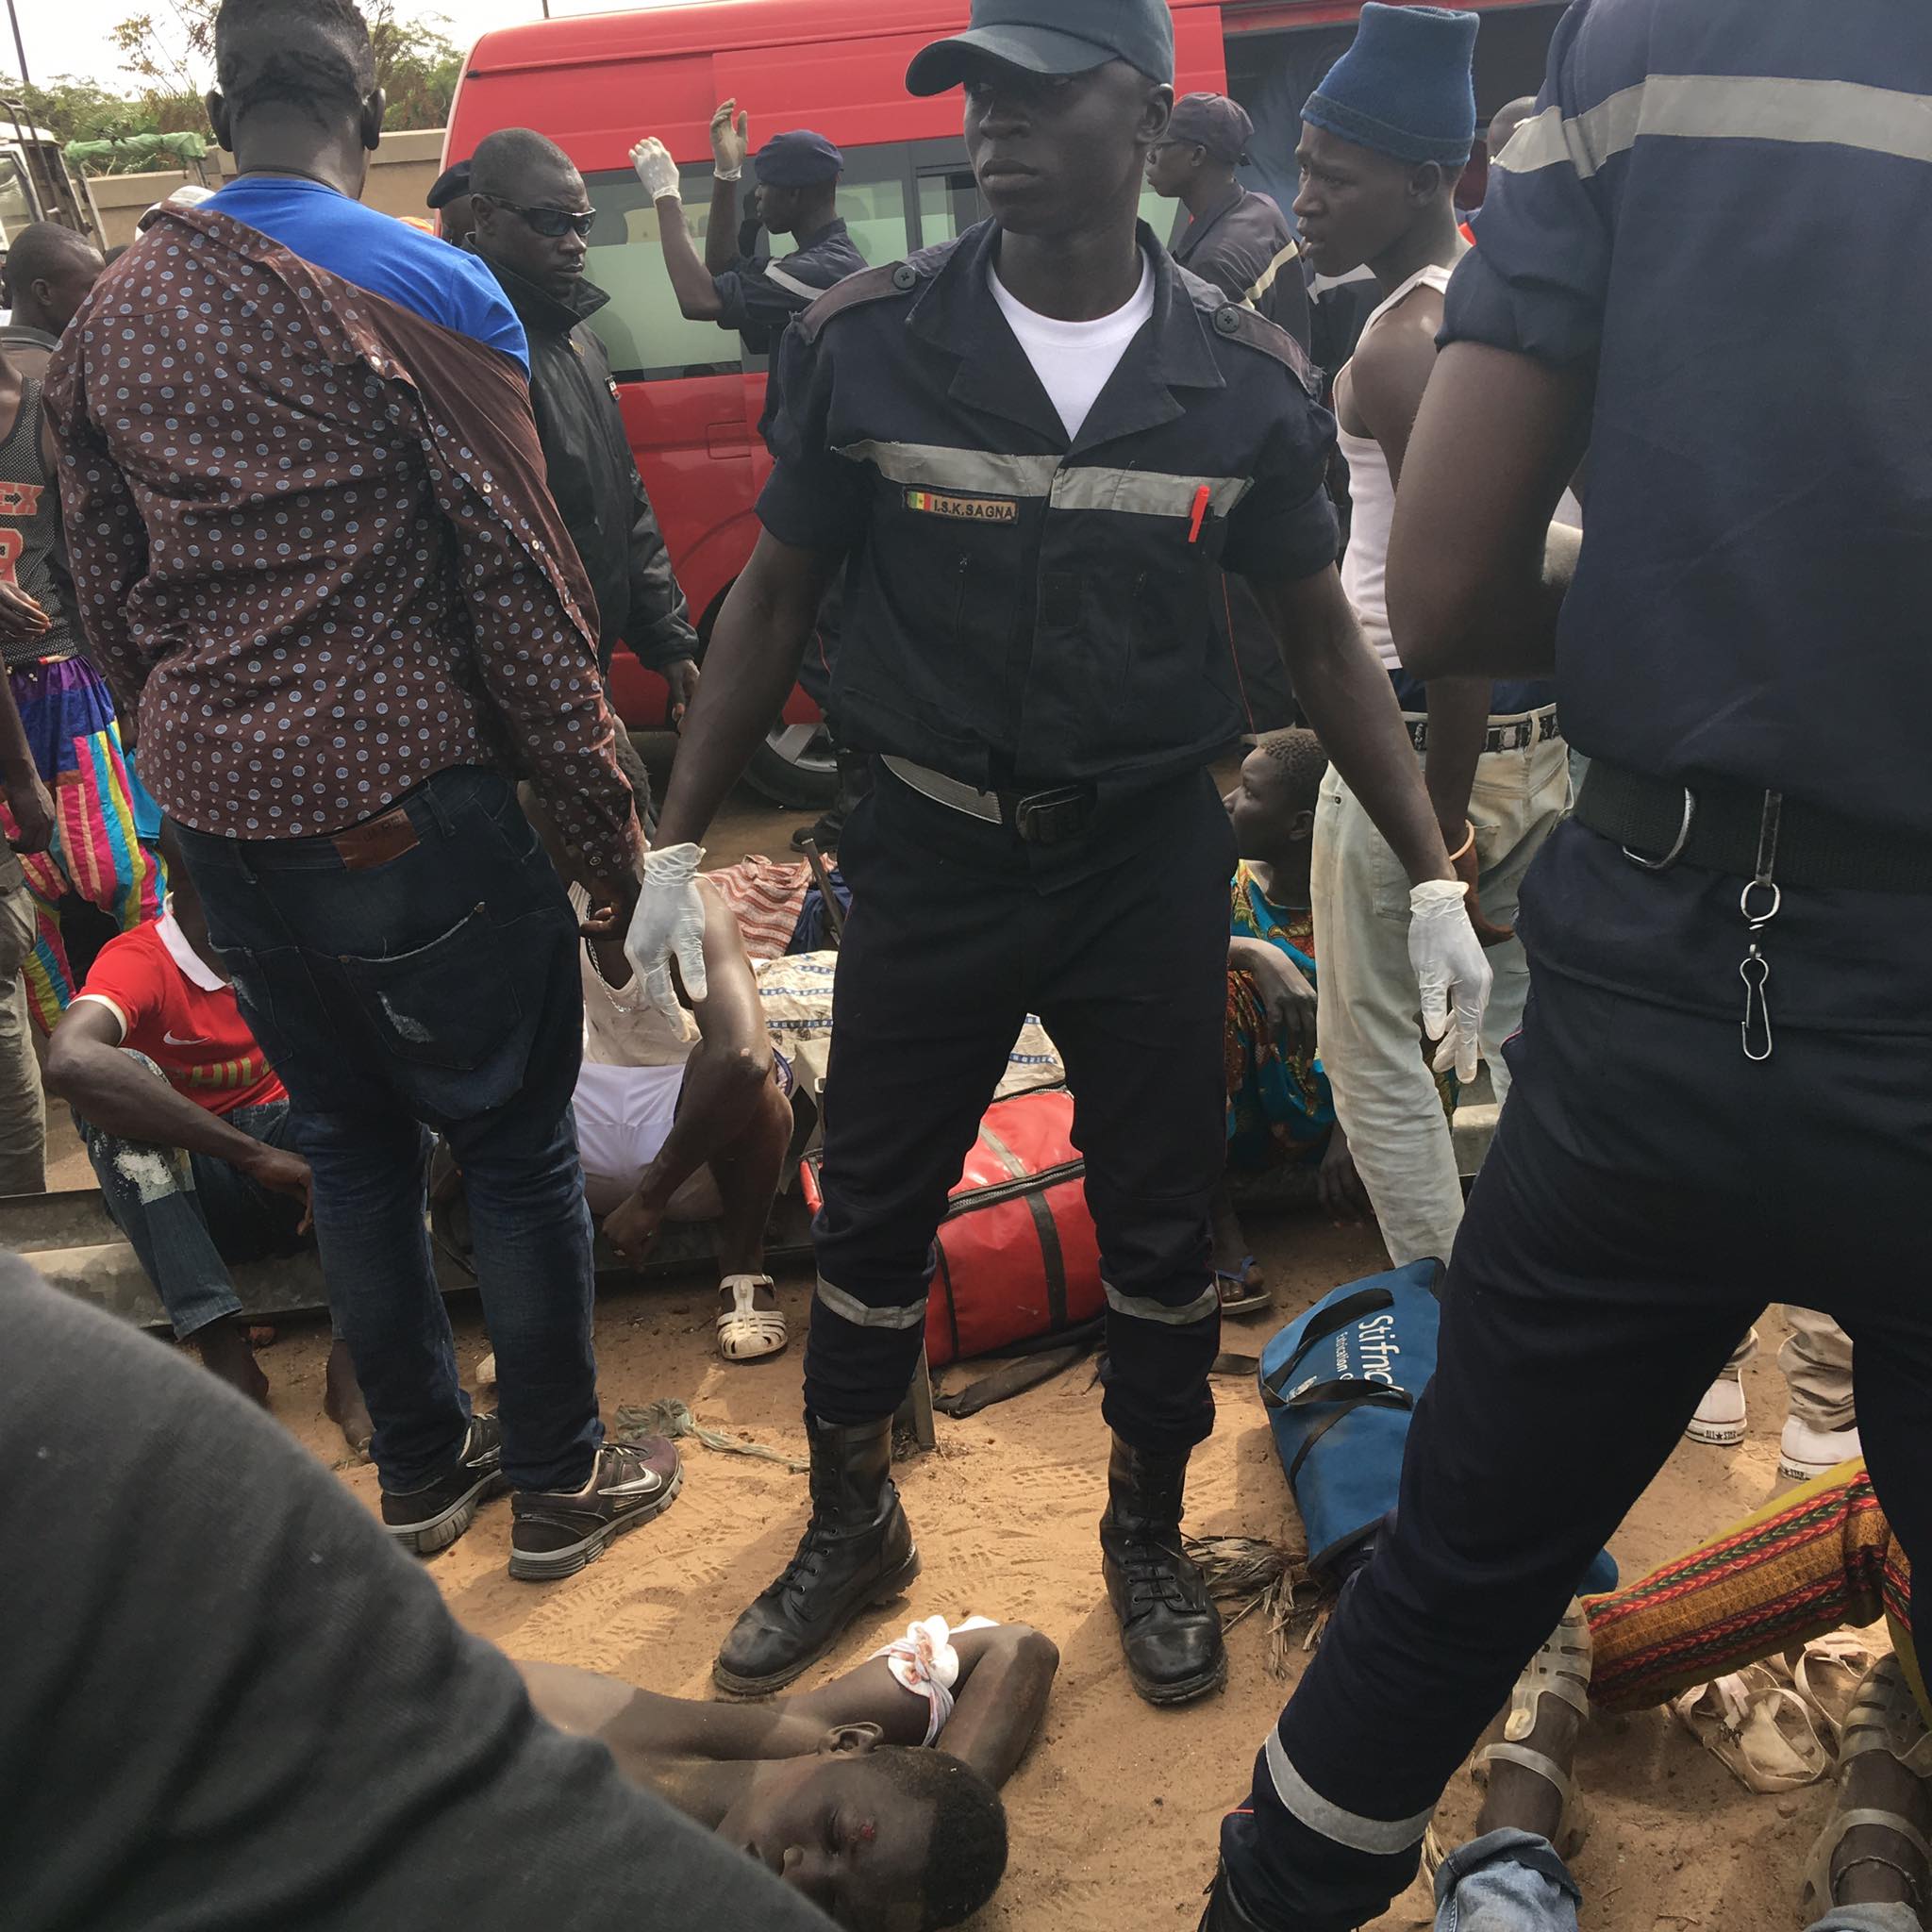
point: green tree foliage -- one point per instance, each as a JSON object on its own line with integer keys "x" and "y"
{"x": 169, "y": 52}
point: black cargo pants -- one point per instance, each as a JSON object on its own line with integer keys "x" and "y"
{"x": 1649, "y": 1192}
{"x": 1119, "y": 943}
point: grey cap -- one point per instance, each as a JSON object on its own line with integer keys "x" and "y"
{"x": 1050, "y": 36}
{"x": 1212, "y": 122}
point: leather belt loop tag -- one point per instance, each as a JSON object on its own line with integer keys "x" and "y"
{"x": 376, "y": 841}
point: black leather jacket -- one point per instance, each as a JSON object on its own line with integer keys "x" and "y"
{"x": 594, "y": 477}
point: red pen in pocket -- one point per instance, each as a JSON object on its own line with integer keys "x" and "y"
{"x": 1202, "y": 497}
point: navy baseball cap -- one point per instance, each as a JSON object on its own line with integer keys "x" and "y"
{"x": 448, "y": 185}
{"x": 1050, "y": 36}
{"x": 798, "y": 160}
{"x": 1212, "y": 122}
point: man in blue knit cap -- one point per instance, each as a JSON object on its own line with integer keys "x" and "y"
{"x": 1384, "y": 140}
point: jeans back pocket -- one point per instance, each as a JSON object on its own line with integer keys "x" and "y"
{"x": 451, "y": 1004}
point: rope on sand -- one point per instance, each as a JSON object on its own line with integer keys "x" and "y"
{"x": 668, "y": 1416}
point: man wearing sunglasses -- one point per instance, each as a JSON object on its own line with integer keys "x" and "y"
{"x": 530, "y": 221}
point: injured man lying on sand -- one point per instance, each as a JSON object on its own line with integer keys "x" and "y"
{"x": 832, "y": 1791}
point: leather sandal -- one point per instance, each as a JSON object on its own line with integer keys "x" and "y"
{"x": 1560, "y": 1670}
{"x": 1885, "y": 1717}
{"x": 747, "y": 1333}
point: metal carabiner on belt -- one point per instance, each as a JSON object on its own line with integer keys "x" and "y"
{"x": 1755, "y": 969}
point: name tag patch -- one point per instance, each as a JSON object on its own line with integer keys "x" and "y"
{"x": 971, "y": 509}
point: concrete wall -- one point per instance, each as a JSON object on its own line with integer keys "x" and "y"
{"x": 400, "y": 173}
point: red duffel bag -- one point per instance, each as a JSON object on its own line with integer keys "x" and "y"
{"x": 1018, "y": 1257}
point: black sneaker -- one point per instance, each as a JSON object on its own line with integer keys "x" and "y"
{"x": 554, "y": 1533}
{"x": 432, "y": 1518}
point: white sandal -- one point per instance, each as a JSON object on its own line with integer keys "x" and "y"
{"x": 747, "y": 1333}
{"x": 1560, "y": 1669}
{"x": 1753, "y": 1722}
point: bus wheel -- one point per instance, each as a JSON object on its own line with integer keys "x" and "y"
{"x": 794, "y": 766}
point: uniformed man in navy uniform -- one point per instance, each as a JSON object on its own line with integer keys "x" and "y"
{"x": 796, "y": 195}
{"x": 1026, "y": 451}
{"x": 798, "y": 186}
{"x": 1236, "y": 238}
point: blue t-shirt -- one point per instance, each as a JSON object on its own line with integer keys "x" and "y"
{"x": 379, "y": 252}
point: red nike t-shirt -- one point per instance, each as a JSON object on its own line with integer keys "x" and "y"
{"x": 183, "y": 1016}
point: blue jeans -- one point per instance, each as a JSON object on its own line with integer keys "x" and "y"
{"x": 1513, "y": 1881}
{"x": 187, "y": 1216}
{"x": 421, "y": 972}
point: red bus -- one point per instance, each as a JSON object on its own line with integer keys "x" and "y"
{"x": 692, "y": 395}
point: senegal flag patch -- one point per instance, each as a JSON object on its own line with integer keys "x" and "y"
{"x": 971, "y": 509}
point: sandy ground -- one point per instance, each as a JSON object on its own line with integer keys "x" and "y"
{"x": 1115, "y": 1811}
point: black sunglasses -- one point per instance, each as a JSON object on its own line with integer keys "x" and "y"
{"x": 552, "y": 223}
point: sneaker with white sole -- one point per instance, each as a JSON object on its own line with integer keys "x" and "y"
{"x": 431, "y": 1519}
{"x": 1720, "y": 1418}
{"x": 1804, "y": 1452}
{"x": 555, "y": 1532}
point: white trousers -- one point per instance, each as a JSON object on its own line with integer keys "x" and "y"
{"x": 1369, "y": 1014}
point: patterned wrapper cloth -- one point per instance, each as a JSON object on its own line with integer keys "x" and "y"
{"x": 1813, "y": 1561}
{"x": 75, "y": 741}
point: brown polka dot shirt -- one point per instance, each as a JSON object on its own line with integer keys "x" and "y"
{"x": 309, "y": 530}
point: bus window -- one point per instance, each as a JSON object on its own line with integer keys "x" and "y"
{"x": 646, "y": 337}
{"x": 872, "y": 202}
{"x": 16, "y": 204}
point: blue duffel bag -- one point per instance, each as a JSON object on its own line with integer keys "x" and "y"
{"x": 1340, "y": 1384}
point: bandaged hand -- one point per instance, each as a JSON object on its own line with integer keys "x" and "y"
{"x": 1451, "y": 972}
{"x": 669, "y": 924}
{"x": 655, "y": 168}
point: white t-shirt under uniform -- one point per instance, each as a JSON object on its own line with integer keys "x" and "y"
{"x": 1074, "y": 359}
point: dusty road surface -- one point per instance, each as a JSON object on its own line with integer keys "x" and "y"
{"x": 1115, "y": 1811}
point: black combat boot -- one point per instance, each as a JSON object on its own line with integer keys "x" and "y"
{"x": 1169, "y": 1629}
{"x": 858, "y": 1550}
{"x": 1226, "y": 1912}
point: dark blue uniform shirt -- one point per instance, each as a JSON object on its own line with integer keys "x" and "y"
{"x": 1685, "y": 215}
{"x": 760, "y": 297}
{"x": 1022, "y": 611}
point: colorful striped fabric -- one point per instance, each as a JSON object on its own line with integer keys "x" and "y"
{"x": 70, "y": 730}
{"x": 1816, "y": 1560}
{"x": 765, "y": 895}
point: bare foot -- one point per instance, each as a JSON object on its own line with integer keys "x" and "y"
{"x": 341, "y": 1399}
{"x": 631, "y": 1227}
{"x": 224, "y": 1350}
{"x": 1233, "y": 1264}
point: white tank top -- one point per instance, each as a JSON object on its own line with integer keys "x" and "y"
{"x": 1372, "y": 491}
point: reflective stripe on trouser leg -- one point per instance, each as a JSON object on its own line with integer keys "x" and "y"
{"x": 899, "y": 1315}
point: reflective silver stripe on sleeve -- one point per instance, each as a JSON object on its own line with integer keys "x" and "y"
{"x": 1146, "y": 493}
{"x": 1268, "y": 274}
{"x": 962, "y": 472}
{"x": 1144, "y": 1308}
{"x": 1719, "y": 107}
{"x": 910, "y": 1315}
{"x": 790, "y": 284}
{"x": 1374, "y": 1835}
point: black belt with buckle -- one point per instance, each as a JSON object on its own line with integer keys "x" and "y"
{"x": 1720, "y": 827}
{"x": 1049, "y": 817}
{"x": 1519, "y": 734}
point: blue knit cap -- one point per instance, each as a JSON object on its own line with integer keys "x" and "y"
{"x": 1406, "y": 87}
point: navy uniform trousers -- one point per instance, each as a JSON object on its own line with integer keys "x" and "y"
{"x": 1650, "y": 1190}
{"x": 1118, "y": 942}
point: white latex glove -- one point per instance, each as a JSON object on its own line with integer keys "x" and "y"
{"x": 655, "y": 168}
{"x": 1449, "y": 968}
{"x": 669, "y": 924}
{"x": 730, "y": 141}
